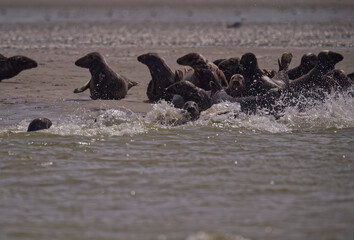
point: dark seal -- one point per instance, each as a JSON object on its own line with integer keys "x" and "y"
{"x": 162, "y": 76}
{"x": 256, "y": 81}
{"x": 190, "y": 92}
{"x": 326, "y": 61}
{"x": 199, "y": 63}
{"x": 10, "y": 67}
{"x": 39, "y": 124}
{"x": 104, "y": 82}
{"x": 230, "y": 67}
{"x": 308, "y": 62}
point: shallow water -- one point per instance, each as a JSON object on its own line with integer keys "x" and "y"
{"x": 125, "y": 175}
{"x": 225, "y": 176}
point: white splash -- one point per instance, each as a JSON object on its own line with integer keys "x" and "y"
{"x": 209, "y": 236}
{"x": 336, "y": 111}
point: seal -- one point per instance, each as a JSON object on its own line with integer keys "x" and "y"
{"x": 193, "y": 110}
{"x": 326, "y": 61}
{"x": 230, "y": 67}
{"x": 249, "y": 104}
{"x": 190, "y": 92}
{"x": 281, "y": 78}
{"x": 162, "y": 76}
{"x": 308, "y": 62}
{"x": 12, "y": 66}
{"x": 218, "y": 61}
{"x": 285, "y": 61}
{"x": 198, "y": 62}
{"x": 236, "y": 86}
{"x": 39, "y": 124}
{"x": 336, "y": 81}
{"x": 104, "y": 82}
{"x": 256, "y": 82}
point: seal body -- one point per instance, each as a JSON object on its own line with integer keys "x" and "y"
{"x": 326, "y": 61}
{"x": 12, "y": 66}
{"x": 308, "y": 62}
{"x": 199, "y": 63}
{"x": 190, "y": 92}
{"x": 256, "y": 82}
{"x": 39, "y": 124}
{"x": 162, "y": 76}
{"x": 104, "y": 82}
{"x": 230, "y": 67}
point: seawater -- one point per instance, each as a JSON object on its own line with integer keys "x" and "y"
{"x": 227, "y": 175}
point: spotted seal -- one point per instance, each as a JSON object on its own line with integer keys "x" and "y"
{"x": 162, "y": 76}
{"x": 12, "y": 66}
{"x": 198, "y": 62}
{"x": 104, "y": 82}
{"x": 39, "y": 124}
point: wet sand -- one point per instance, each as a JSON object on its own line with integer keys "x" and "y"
{"x": 56, "y": 43}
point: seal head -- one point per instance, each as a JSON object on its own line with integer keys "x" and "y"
{"x": 39, "y": 124}
{"x": 199, "y": 63}
{"x": 12, "y": 66}
{"x": 192, "y": 108}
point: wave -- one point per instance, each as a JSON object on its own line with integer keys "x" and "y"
{"x": 334, "y": 112}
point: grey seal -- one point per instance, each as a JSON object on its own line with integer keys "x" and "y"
{"x": 326, "y": 61}
{"x": 39, "y": 124}
{"x": 256, "y": 82}
{"x": 236, "y": 86}
{"x": 193, "y": 110}
{"x": 230, "y": 67}
{"x": 190, "y": 92}
{"x": 162, "y": 76}
{"x": 12, "y": 66}
{"x": 104, "y": 82}
{"x": 308, "y": 62}
{"x": 199, "y": 63}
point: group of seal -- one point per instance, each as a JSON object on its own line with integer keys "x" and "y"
{"x": 206, "y": 83}
{"x": 242, "y": 80}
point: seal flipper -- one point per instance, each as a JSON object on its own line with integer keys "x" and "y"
{"x": 83, "y": 88}
{"x": 131, "y": 84}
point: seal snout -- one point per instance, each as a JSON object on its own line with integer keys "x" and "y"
{"x": 88, "y": 60}
{"x": 82, "y": 62}
{"x": 142, "y": 58}
{"x": 30, "y": 63}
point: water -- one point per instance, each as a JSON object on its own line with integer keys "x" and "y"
{"x": 127, "y": 175}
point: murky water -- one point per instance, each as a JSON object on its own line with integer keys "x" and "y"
{"x": 125, "y": 175}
